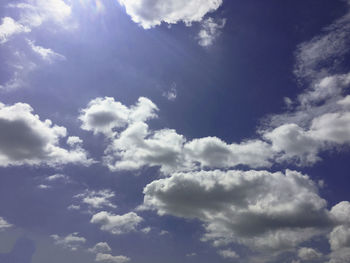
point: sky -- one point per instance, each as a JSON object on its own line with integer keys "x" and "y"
{"x": 152, "y": 131}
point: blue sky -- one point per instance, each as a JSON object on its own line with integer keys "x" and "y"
{"x": 150, "y": 131}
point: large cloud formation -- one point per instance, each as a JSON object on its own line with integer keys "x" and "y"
{"x": 263, "y": 210}
{"x": 150, "y": 13}
{"x": 25, "y": 139}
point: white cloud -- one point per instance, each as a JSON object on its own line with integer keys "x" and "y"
{"x": 4, "y": 224}
{"x": 309, "y": 254}
{"x": 44, "y": 186}
{"x": 10, "y": 27}
{"x": 34, "y": 13}
{"x": 133, "y": 145}
{"x": 150, "y": 13}
{"x": 210, "y": 30}
{"x": 25, "y": 139}
{"x": 172, "y": 93}
{"x": 137, "y": 147}
{"x": 294, "y": 143}
{"x": 321, "y": 54}
{"x": 45, "y": 53}
{"x": 105, "y": 115}
{"x": 100, "y": 257}
{"x": 262, "y": 210}
{"x": 97, "y": 199}
{"x": 227, "y": 253}
{"x": 213, "y": 152}
{"x": 56, "y": 177}
{"x": 117, "y": 224}
{"x": 101, "y": 247}
{"x": 72, "y": 241}
{"x": 146, "y": 230}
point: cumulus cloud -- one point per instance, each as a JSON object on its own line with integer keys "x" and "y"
{"x": 210, "y": 30}
{"x": 25, "y": 139}
{"x": 4, "y": 224}
{"x": 97, "y": 199}
{"x": 101, "y": 247}
{"x": 100, "y": 257}
{"x": 72, "y": 241}
{"x": 150, "y": 13}
{"x": 263, "y": 210}
{"x": 116, "y": 224}
{"x": 133, "y": 145}
{"x": 105, "y": 115}
{"x": 10, "y": 27}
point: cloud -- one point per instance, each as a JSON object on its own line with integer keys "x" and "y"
{"x": 4, "y": 224}
{"x": 101, "y": 247}
{"x": 172, "y": 93}
{"x": 146, "y": 230}
{"x": 308, "y": 254}
{"x": 25, "y": 139}
{"x": 97, "y": 199}
{"x": 322, "y": 54}
{"x": 150, "y": 13}
{"x": 45, "y": 53}
{"x": 262, "y": 210}
{"x": 229, "y": 254}
{"x": 10, "y": 27}
{"x": 210, "y": 30}
{"x": 34, "y": 13}
{"x": 104, "y": 115}
{"x": 111, "y": 259}
{"x": 72, "y": 241}
{"x": 56, "y": 177}
{"x": 117, "y": 224}
{"x": 133, "y": 145}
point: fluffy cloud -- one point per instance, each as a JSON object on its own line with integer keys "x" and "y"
{"x": 210, "y": 30}
{"x": 25, "y": 139}
{"x": 104, "y": 115}
{"x": 117, "y": 224}
{"x": 72, "y": 241}
{"x": 4, "y": 224}
{"x": 150, "y": 13}
{"x": 100, "y": 257}
{"x": 263, "y": 210}
{"x": 101, "y": 247}
{"x": 97, "y": 199}
{"x": 10, "y": 27}
{"x": 133, "y": 145}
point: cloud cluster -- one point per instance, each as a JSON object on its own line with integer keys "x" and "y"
{"x": 150, "y": 13}
{"x": 116, "y": 224}
{"x": 25, "y": 139}
{"x": 72, "y": 241}
{"x": 133, "y": 145}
